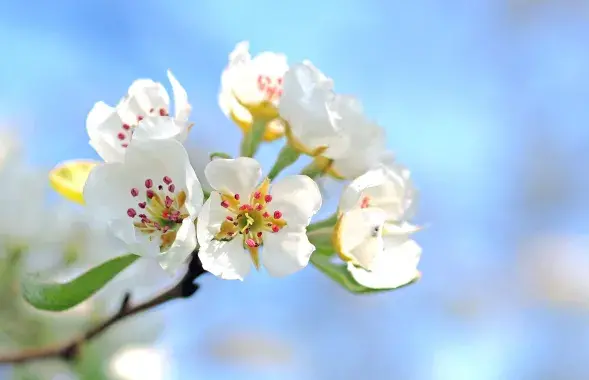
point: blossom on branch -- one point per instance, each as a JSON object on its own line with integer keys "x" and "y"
{"x": 373, "y": 232}
{"x": 251, "y": 87}
{"x": 150, "y": 200}
{"x": 243, "y": 215}
{"x": 111, "y": 129}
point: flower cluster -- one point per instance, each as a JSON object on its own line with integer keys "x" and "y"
{"x": 147, "y": 193}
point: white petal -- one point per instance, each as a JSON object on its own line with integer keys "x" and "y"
{"x": 135, "y": 241}
{"x": 234, "y": 176}
{"x": 393, "y": 268}
{"x": 155, "y": 159}
{"x": 388, "y": 188}
{"x": 182, "y": 107}
{"x": 229, "y": 105}
{"x": 240, "y": 53}
{"x": 161, "y": 127}
{"x": 175, "y": 258}
{"x": 369, "y": 144}
{"x": 214, "y": 216}
{"x": 103, "y": 125}
{"x": 245, "y": 84}
{"x": 286, "y": 252}
{"x": 309, "y": 105}
{"x": 299, "y": 191}
{"x": 106, "y": 192}
{"x": 149, "y": 95}
{"x": 225, "y": 259}
{"x": 359, "y": 235}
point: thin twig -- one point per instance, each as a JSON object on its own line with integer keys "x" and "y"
{"x": 69, "y": 350}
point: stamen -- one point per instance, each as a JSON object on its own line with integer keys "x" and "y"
{"x": 131, "y": 212}
{"x": 275, "y": 228}
{"x": 121, "y": 136}
{"x": 148, "y": 183}
{"x": 266, "y": 214}
{"x": 259, "y": 234}
{"x": 171, "y": 188}
{"x": 257, "y": 195}
{"x": 150, "y": 194}
{"x": 229, "y": 218}
{"x": 250, "y": 243}
{"x": 167, "y": 180}
{"x": 277, "y": 214}
{"x": 268, "y": 198}
{"x": 365, "y": 202}
{"x": 225, "y": 204}
{"x": 126, "y": 127}
{"x": 142, "y": 204}
{"x": 134, "y": 191}
{"x": 236, "y": 196}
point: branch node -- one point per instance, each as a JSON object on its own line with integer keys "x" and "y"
{"x": 125, "y": 304}
{"x": 71, "y": 352}
{"x": 188, "y": 289}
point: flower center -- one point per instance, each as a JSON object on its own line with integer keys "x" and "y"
{"x": 126, "y": 131}
{"x": 250, "y": 217}
{"x": 271, "y": 87}
{"x": 160, "y": 210}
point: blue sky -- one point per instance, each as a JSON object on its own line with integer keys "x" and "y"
{"x": 451, "y": 82}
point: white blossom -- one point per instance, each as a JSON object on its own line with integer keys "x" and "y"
{"x": 241, "y": 216}
{"x": 150, "y": 200}
{"x": 146, "y": 106}
{"x": 373, "y": 232}
{"x": 253, "y": 85}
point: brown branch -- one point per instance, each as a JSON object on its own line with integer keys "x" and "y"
{"x": 69, "y": 350}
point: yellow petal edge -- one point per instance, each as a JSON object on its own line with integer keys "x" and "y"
{"x": 68, "y": 178}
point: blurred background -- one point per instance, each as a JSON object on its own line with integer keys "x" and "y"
{"x": 485, "y": 101}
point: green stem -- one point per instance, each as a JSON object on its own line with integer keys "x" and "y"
{"x": 329, "y": 222}
{"x": 252, "y": 139}
{"x": 214, "y": 155}
{"x": 287, "y": 156}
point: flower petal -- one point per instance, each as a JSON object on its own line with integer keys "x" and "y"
{"x": 160, "y": 128}
{"x": 245, "y": 79}
{"x": 105, "y": 191}
{"x": 225, "y": 259}
{"x": 68, "y": 178}
{"x": 158, "y": 158}
{"x": 175, "y": 258}
{"x": 234, "y": 176}
{"x": 299, "y": 191}
{"x": 103, "y": 125}
{"x": 149, "y": 95}
{"x": 395, "y": 267}
{"x": 309, "y": 105}
{"x": 182, "y": 107}
{"x": 286, "y": 252}
{"x": 386, "y": 187}
{"x": 369, "y": 144}
{"x": 358, "y": 235}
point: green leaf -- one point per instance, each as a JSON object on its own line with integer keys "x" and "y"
{"x": 329, "y": 222}
{"x": 339, "y": 273}
{"x": 214, "y": 155}
{"x": 252, "y": 138}
{"x": 287, "y": 156}
{"x": 54, "y": 296}
{"x": 322, "y": 240}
